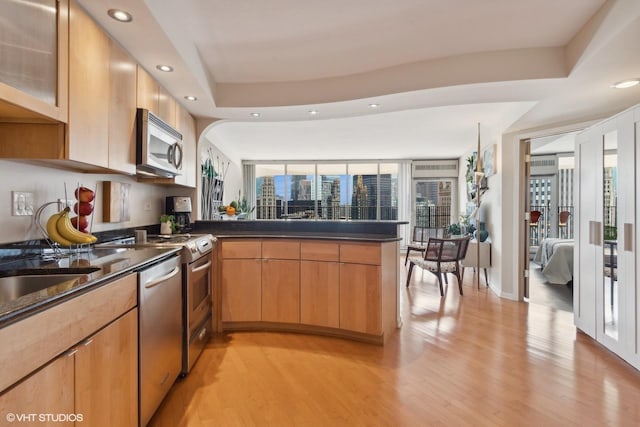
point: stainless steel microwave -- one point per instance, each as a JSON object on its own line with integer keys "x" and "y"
{"x": 159, "y": 146}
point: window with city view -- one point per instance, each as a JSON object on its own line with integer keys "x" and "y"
{"x": 333, "y": 191}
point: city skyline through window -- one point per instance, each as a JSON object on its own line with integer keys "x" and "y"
{"x": 327, "y": 191}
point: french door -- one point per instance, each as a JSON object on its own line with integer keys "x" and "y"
{"x": 434, "y": 202}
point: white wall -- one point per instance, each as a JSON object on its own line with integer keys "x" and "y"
{"x": 47, "y": 184}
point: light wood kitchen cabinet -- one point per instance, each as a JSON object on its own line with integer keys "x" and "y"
{"x": 88, "y": 130}
{"x": 320, "y": 293}
{"x": 106, "y": 374}
{"x": 49, "y": 390}
{"x": 360, "y": 298}
{"x": 320, "y": 283}
{"x": 122, "y": 110}
{"x": 281, "y": 290}
{"x": 78, "y": 357}
{"x": 281, "y": 280}
{"x": 99, "y": 135}
{"x": 187, "y": 127}
{"x": 335, "y": 287}
{"x": 147, "y": 90}
{"x": 34, "y": 75}
{"x": 368, "y": 287}
{"x": 167, "y": 107}
{"x": 153, "y": 97}
{"x": 241, "y": 281}
{"x": 96, "y": 380}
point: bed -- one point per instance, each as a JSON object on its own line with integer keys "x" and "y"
{"x": 555, "y": 257}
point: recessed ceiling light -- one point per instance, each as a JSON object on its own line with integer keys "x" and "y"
{"x": 313, "y": 112}
{"x": 255, "y": 114}
{"x": 190, "y": 98}
{"x": 165, "y": 68}
{"x": 120, "y": 15}
{"x": 372, "y": 106}
{"x": 625, "y": 84}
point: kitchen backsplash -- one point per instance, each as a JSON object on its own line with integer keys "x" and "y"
{"x": 47, "y": 184}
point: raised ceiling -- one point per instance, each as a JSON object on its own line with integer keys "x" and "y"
{"x": 436, "y": 67}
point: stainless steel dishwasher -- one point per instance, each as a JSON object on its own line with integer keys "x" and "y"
{"x": 160, "y": 332}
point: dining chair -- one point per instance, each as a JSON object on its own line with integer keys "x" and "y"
{"x": 442, "y": 256}
{"x": 420, "y": 238}
{"x": 534, "y": 217}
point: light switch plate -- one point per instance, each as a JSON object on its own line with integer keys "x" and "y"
{"x": 22, "y": 203}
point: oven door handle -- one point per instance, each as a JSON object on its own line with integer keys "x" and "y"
{"x": 202, "y": 267}
{"x": 161, "y": 279}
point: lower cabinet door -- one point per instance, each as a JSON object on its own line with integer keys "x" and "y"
{"x": 281, "y": 291}
{"x": 107, "y": 374}
{"x": 360, "y": 298}
{"x": 320, "y": 293}
{"x": 46, "y": 393}
{"x": 241, "y": 290}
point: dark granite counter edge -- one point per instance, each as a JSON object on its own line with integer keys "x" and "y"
{"x": 36, "y": 302}
{"x": 310, "y": 236}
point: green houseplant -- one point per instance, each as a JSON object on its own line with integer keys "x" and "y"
{"x": 454, "y": 229}
{"x": 164, "y": 219}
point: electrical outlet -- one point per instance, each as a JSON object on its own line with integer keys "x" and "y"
{"x": 147, "y": 206}
{"x": 62, "y": 203}
{"x": 22, "y": 203}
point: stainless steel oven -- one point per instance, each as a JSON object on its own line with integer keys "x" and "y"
{"x": 197, "y": 300}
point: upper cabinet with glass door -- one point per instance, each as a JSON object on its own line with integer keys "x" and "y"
{"x": 34, "y": 51}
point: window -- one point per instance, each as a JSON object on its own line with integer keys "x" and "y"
{"x": 354, "y": 190}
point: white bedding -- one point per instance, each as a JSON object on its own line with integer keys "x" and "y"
{"x": 555, "y": 256}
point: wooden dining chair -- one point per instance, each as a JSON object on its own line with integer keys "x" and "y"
{"x": 534, "y": 217}
{"x": 442, "y": 256}
{"x": 421, "y": 236}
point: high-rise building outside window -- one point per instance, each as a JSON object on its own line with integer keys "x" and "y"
{"x": 327, "y": 190}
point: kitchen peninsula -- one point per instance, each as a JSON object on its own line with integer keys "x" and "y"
{"x": 337, "y": 278}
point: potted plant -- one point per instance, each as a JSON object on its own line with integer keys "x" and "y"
{"x": 454, "y": 229}
{"x": 167, "y": 224}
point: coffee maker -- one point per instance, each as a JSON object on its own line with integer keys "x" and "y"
{"x": 180, "y": 208}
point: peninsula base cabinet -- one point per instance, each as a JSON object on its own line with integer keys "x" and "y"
{"x": 330, "y": 287}
{"x": 95, "y": 380}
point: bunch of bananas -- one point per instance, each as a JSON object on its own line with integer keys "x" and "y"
{"x": 61, "y": 230}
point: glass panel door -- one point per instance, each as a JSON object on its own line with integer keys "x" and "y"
{"x": 434, "y": 204}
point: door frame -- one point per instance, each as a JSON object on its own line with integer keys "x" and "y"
{"x": 523, "y": 139}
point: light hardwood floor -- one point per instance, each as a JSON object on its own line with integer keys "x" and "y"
{"x": 475, "y": 360}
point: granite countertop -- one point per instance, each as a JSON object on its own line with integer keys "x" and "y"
{"x": 109, "y": 264}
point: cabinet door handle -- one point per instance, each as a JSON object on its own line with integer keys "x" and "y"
{"x": 72, "y": 352}
{"x": 628, "y": 237}
{"x": 87, "y": 342}
{"x": 595, "y": 235}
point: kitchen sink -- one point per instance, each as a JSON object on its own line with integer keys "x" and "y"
{"x": 14, "y": 287}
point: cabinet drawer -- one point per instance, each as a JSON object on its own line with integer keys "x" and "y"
{"x": 360, "y": 253}
{"x": 320, "y": 251}
{"x": 281, "y": 249}
{"x": 241, "y": 249}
